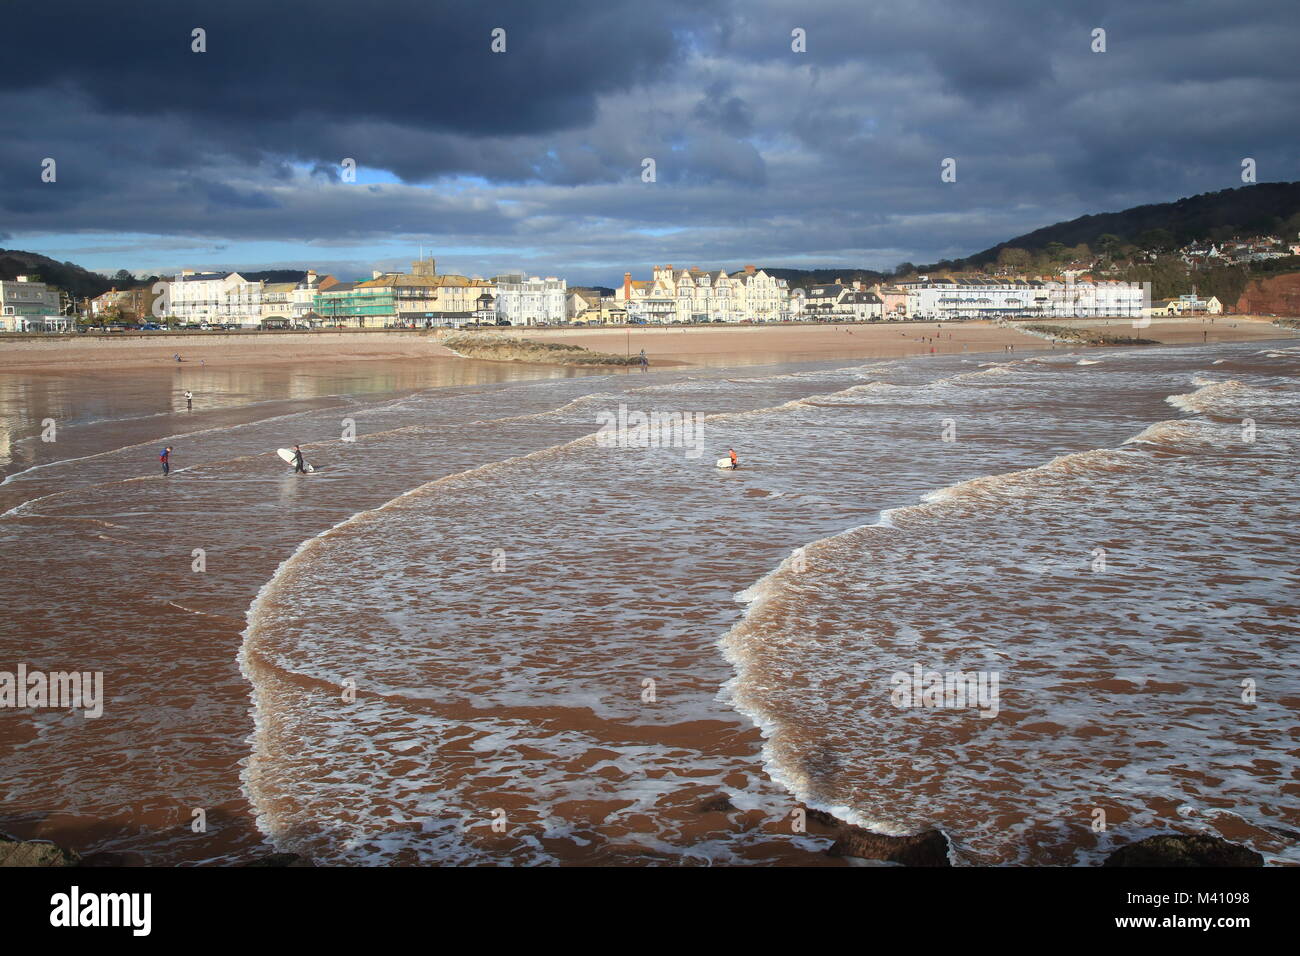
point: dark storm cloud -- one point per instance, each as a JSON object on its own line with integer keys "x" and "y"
{"x": 426, "y": 63}
{"x": 222, "y": 196}
{"x": 761, "y": 153}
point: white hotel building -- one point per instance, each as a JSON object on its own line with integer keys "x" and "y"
{"x": 530, "y": 301}
{"x": 214, "y": 297}
{"x": 229, "y": 297}
{"x": 985, "y": 298}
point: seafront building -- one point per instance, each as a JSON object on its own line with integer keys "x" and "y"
{"x": 124, "y": 305}
{"x": 696, "y": 295}
{"x": 1186, "y": 305}
{"x": 228, "y": 297}
{"x": 958, "y": 298}
{"x": 29, "y": 305}
{"x": 215, "y": 297}
{"x": 579, "y": 300}
{"x": 418, "y": 299}
{"x": 424, "y": 299}
{"x": 530, "y": 300}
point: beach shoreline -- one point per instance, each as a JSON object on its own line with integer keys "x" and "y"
{"x": 689, "y": 345}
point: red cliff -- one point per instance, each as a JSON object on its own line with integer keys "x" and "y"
{"x": 1279, "y": 295}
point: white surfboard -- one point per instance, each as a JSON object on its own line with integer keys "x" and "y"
{"x": 725, "y": 463}
{"x": 288, "y": 455}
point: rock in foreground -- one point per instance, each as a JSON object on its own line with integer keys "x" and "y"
{"x": 922, "y": 849}
{"x": 35, "y": 853}
{"x": 1184, "y": 849}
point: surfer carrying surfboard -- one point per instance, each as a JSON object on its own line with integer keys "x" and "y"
{"x": 734, "y": 462}
{"x": 299, "y": 466}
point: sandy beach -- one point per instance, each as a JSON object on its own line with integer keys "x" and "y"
{"x": 735, "y": 345}
{"x": 694, "y": 345}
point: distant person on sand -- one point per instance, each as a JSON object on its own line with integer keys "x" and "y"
{"x": 299, "y": 466}
{"x": 645, "y": 362}
{"x": 189, "y": 399}
{"x": 166, "y": 459}
{"x": 177, "y": 356}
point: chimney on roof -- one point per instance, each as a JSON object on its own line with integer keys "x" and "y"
{"x": 839, "y": 281}
{"x": 750, "y": 269}
{"x": 627, "y": 285}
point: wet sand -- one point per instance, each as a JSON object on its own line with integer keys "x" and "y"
{"x": 212, "y": 348}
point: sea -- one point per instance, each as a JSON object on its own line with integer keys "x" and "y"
{"x": 518, "y": 616}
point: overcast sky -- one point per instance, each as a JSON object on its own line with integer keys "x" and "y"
{"x": 532, "y": 159}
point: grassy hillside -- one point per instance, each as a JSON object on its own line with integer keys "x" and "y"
{"x": 67, "y": 276}
{"x": 1210, "y": 217}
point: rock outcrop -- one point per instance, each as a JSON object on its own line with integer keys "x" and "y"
{"x": 1278, "y": 295}
{"x": 35, "y": 853}
{"x": 1183, "y": 849}
{"x": 922, "y": 849}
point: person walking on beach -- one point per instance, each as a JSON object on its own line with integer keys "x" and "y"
{"x": 166, "y": 459}
{"x": 299, "y": 466}
{"x": 645, "y": 362}
{"x": 189, "y": 399}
